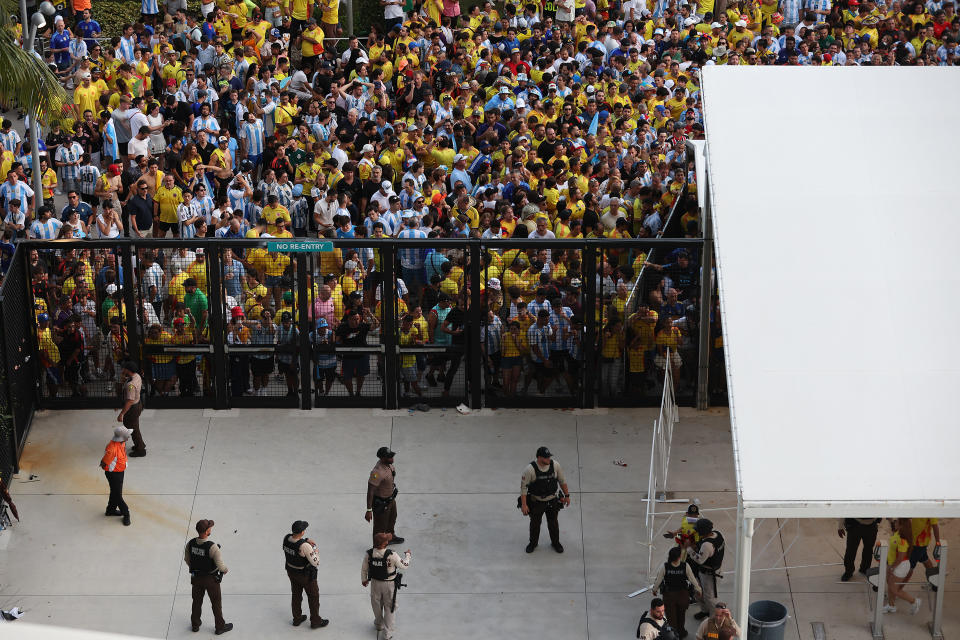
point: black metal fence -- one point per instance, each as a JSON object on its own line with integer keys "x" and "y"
{"x": 20, "y": 365}
{"x": 230, "y": 323}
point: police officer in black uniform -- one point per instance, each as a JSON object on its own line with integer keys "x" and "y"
{"x": 301, "y": 561}
{"x": 706, "y": 557}
{"x": 538, "y": 496}
{"x": 674, "y": 581}
{"x": 203, "y": 557}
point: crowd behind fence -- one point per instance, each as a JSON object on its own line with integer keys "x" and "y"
{"x": 230, "y": 323}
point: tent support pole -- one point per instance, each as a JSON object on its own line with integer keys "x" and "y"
{"x": 704, "y": 343}
{"x": 744, "y": 551}
{"x": 935, "y": 629}
{"x": 876, "y": 625}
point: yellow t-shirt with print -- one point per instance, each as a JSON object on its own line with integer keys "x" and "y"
{"x": 897, "y": 546}
{"x": 275, "y": 264}
{"x": 164, "y": 339}
{"x": 274, "y": 214}
{"x": 168, "y": 201}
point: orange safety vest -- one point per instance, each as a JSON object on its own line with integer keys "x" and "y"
{"x": 116, "y": 455}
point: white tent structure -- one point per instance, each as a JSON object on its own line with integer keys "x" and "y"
{"x": 833, "y": 196}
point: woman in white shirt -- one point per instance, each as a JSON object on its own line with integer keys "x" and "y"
{"x": 158, "y": 146}
{"x": 108, "y": 222}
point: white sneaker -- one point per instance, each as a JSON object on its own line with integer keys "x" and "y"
{"x": 889, "y": 608}
{"x": 915, "y": 607}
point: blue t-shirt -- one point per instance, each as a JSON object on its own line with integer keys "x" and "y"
{"x": 88, "y": 28}
{"x": 61, "y": 41}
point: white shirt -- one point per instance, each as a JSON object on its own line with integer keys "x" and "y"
{"x": 138, "y": 148}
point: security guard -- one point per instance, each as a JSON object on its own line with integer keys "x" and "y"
{"x": 674, "y": 580}
{"x": 301, "y": 561}
{"x": 379, "y": 570}
{"x": 538, "y": 496}
{"x": 203, "y": 557}
{"x": 382, "y": 496}
{"x": 706, "y": 556}
{"x": 132, "y": 407}
{"x": 653, "y": 624}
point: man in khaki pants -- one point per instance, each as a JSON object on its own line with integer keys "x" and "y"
{"x": 132, "y": 406}
{"x": 379, "y": 570}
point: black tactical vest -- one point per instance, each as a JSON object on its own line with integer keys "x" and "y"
{"x": 545, "y": 485}
{"x": 291, "y": 554}
{"x": 378, "y": 568}
{"x": 674, "y": 578}
{"x": 200, "y": 560}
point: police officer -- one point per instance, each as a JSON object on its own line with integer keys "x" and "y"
{"x": 653, "y": 624}
{"x": 538, "y": 496}
{"x": 858, "y": 530}
{"x": 301, "y": 560}
{"x": 674, "y": 580}
{"x": 706, "y": 556}
{"x": 203, "y": 557}
{"x": 720, "y": 625}
{"x": 382, "y": 496}
{"x": 132, "y": 407}
{"x": 379, "y": 570}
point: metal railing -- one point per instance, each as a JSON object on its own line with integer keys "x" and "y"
{"x": 199, "y": 351}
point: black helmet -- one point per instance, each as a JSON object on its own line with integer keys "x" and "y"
{"x": 704, "y": 527}
{"x": 246, "y": 165}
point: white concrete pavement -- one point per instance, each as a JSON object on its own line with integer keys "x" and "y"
{"x": 256, "y": 471}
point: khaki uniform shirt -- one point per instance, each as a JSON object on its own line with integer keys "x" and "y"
{"x": 529, "y": 476}
{"x": 709, "y": 629}
{"x": 381, "y": 479}
{"x": 215, "y": 554}
{"x": 132, "y": 387}
{"x": 395, "y": 562}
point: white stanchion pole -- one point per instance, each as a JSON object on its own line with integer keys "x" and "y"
{"x": 745, "y": 551}
{"x": 651, "y": 498}
{"x": 876, "y": 626}
{"x": 935, "y": 626}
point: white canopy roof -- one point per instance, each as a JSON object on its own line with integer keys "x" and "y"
{"x": 838, "y": 245}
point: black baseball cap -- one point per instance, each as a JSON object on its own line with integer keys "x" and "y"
{"x": 299, "y": 526}
{"x": 385, "y": 452}
{"x": 543, "y": 452}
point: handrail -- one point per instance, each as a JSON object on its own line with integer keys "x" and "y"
{"x": 631, "y": 299}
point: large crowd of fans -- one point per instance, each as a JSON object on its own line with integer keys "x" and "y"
{"x": 558, "y": 120}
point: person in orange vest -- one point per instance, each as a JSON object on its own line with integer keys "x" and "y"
{"x": 114, "y": 463}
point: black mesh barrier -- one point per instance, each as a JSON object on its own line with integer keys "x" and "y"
{"x": 174, "y": 294}
{"x": 346, "y": 322}
{"x": 431, "y": 316}
{"x": 261, "y": 311}
{"x": 532, "y": 324}
{"x": 20, "y": 370}
{"x": 363, "y": 322}
{"x": 81, "y": 315}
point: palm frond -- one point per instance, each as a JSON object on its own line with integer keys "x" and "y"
{"x": 25, "y": 80}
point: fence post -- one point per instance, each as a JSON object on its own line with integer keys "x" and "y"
{"x": 8, "y": 397}
{"x": 473, "y": 350}
{"x": 218, "y": 368}
{"x": 303, "y": 326}
{"x": 134, "y": 352}
{"x": 704, "y": 344}
{"x": 935, "y": 625}
{"x": 388, "y": 329}
{"x": 589, "y": 368}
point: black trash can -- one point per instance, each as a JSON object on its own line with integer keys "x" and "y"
{"x": 766, "y": 620}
